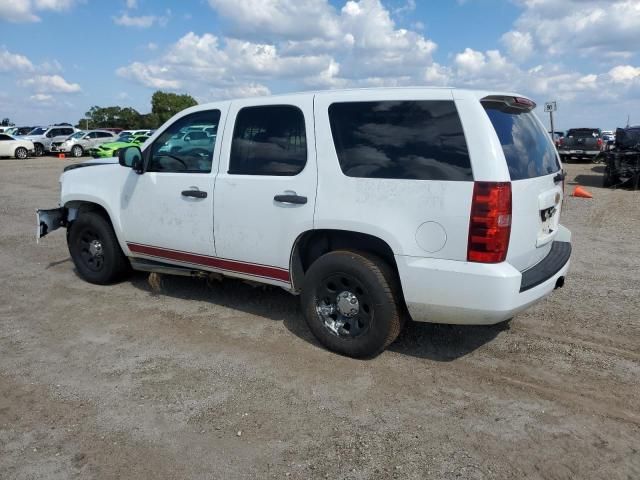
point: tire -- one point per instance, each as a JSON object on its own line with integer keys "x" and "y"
{"x": 38, "y": 149}
{"x": 103, "y": 262}
{"x": 21, "y": 153}
{"x": 77, "y": 151}
{"x": 329, "y": 287}
{"x": 609, "y": 180}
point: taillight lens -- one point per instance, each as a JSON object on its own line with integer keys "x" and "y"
{"x": 490, "y": 223}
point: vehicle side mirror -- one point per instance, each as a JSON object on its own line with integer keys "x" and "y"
{"x": 131, "y": 157}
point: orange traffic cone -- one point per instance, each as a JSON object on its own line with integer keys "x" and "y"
{"x": 61, "y": 156}
{"x": 581, "y": 193}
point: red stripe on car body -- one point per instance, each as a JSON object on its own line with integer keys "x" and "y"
{"x": 236, "y": 266}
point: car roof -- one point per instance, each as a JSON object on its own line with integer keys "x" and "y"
{"x": 363, "y": 92}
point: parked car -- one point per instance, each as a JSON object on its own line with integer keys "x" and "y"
{"x": 81, "y": 142}
{"x": 15, "y": 147}
{"x": 622, "y": 162}
{"x": 608, "y": 136}
{"x": 134, "y": 132}
{"x": 21, "y": 131}
{"x": 189, "y": 139}
{"x": 556, "y": 136}
{"x": 581, "y": 144}
{"x": 111, "y": 149}
{"x": 43, "y": 137}
{"x": 366, "y": 202}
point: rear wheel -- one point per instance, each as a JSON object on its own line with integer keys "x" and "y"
{"x": 351, "y": 302}
{"x": 95, "y": 250}
{"x": 21, "y": 153}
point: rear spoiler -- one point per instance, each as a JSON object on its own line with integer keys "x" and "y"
{"x": 507, "y": 102}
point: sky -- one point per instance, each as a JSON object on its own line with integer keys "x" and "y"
{"x": 60, "y": 57}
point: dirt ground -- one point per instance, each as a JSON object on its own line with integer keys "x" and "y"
{"x": 227, "y": 382}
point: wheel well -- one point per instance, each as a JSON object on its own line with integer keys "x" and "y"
{"x": 82, "y": 207}
{"x": 313, "y": 244}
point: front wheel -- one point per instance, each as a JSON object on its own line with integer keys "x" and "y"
{"x": 77, "y": 151}
{"x": 351, "y": 302}
{"x": 95, "y": 250}
{"x": 38, "y": 150}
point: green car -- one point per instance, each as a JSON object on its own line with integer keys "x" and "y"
{"x": 108, "y": 150}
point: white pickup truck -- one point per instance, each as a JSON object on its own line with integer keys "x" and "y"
{"x": 375, "y": 205}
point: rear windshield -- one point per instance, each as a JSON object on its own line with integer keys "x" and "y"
{"x": 583, "y": 133}
{"x": 527, "y": 147}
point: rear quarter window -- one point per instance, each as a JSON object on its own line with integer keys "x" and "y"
{"x": 416, "y": 140}
{"x": 527, "y": 147}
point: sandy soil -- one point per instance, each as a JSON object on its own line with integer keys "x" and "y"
{"x": 227, "y": 382}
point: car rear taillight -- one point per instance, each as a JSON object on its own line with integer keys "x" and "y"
{"x": 490, "y": 223}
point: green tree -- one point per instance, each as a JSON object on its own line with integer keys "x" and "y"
{"x": 6, "y": 123}
{"x": 110, "y": 117}
{"x": 165, "y": 105}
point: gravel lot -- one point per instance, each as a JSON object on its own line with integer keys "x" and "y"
{"x": 227, "y": 382}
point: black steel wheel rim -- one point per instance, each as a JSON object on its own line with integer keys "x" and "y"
{"x": 332, "y": 295}
{"x": 91, "y": 253}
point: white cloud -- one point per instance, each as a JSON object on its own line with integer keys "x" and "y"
{"x": 51, "y": 84}
{"x": 142, "y": 21}
{"x": 131, "y": 4}
{"x": 624, "y": 74}
{"x": 518, "y": 44}
{"x": 583, "y": 26}
{"x": 17, "y": 11}
{"x": 41, "y": 98}
{"x": 306, "y": 41}
{"x": 13, "y": 62}
{"x": 20, "y": 11}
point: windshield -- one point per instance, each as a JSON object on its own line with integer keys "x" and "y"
{"x": 78, "y": 135}
{"x": 37, "y": 131}
{"x": 527, "y": 147}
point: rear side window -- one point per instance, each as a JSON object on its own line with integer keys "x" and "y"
{"x": 526, "y": 146}
{"x": 419, "y": 140}
{"x": 269, "y": 140}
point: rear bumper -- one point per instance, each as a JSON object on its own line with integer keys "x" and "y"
{"x": 466, "y": 293}
{"x": 579, "y": 154}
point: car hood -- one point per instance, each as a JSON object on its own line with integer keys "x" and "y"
{"x": 114, "y": 145}
{"x": 92, "y": 163}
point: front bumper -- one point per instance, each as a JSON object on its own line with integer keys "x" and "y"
{"x": 49, "y": 220}
{"x": 466, "y": 293}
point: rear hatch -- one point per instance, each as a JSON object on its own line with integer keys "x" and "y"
{"x": 536, "y": 179}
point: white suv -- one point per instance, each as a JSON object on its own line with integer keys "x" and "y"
{"x": 441, "y": 204}
{"x": 44, "y": 137}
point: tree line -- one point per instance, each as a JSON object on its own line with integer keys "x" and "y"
{"x": 163, "y": 106}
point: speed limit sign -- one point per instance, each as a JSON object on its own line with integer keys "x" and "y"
{"x": 550, "y": 107}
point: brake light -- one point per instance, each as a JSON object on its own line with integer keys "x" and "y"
{"x": 490, "y": 223}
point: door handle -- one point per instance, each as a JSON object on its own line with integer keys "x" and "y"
{"x": 194, "y": 193}
{"x": 294, "y": 199}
